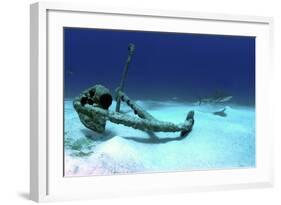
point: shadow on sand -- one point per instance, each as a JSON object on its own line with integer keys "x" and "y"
{"x": 153, "y": 139}
{"x": 107, "y": 135}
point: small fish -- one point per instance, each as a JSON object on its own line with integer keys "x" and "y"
{"x": 70, "y": 72}
{"x": 221, "y": 113}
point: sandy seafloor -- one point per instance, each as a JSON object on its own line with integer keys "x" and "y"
{"x": 214, "y": 143}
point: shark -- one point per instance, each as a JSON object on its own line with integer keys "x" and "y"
{"x": 217, "y": 97}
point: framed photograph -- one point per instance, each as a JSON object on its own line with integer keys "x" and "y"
{"x": 128, "y": 101}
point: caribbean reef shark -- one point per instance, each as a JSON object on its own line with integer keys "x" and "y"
{"x": 218, "y": 97}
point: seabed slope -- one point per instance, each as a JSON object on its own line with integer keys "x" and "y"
{"x": 214, "y": 143}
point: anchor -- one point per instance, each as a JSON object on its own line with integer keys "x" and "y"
{"x": 92, "y": 106}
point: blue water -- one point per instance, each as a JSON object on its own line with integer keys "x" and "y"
{"x": 169, "y": 72}
{"x": 164, "y": 65}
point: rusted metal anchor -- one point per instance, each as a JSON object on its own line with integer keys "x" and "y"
{"x": 131, "y": 49}
{"x": 92, "y": 106}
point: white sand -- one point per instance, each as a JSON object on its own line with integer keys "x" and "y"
{"x": 215, "y": 142}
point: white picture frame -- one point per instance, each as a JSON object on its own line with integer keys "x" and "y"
{"x": 46, "y": 177}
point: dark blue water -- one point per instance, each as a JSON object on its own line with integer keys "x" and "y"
{"x": 164, "y": 65}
